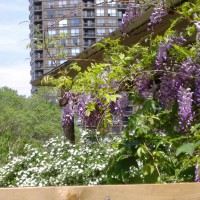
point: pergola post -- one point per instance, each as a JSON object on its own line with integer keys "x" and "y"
{"x": 69, "y": 131}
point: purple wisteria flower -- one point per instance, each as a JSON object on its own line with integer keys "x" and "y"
{"x": 162, "y": 57}
{"x": 133, "y": 11}
{"x": 143, "y": 85}
{"x": 197, "y": 26}
{"x": 185, "y": 107}
{"x": 157, "y": 15}
{"x": 197, "y": 91}
{"x": 169, "y": 87}
{"x": 68, "y": 114}
{"x": 197, "y": 179}
{"x": 187, "y": 70}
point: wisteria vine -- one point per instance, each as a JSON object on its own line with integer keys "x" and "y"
{"x": 78, "y": 105}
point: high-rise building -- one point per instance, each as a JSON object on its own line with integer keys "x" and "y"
{"x": 85, "y": 21}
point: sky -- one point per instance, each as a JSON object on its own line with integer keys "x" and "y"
{"x": 14, "y": 37}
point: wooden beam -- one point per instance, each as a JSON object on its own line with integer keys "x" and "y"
{"x": 184, "y": 191}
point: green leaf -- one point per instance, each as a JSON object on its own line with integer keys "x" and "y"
{"x": 121, "y": 56}
{"x": 190, "y": 30}
{"x": 148, "y": 169}
{"x": 188, "y": 148}
{"x": 197, "y": 143}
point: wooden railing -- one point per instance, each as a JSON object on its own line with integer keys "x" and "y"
{"x": 186, "y": 191}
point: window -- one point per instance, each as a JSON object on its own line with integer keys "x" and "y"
{"x": 74, "y": 32}
{"x": 100, "y": 12}
{"x": 75, "y": 22}
{"x": 120, "y": 13}
{"x": 61, "y": 13}
{"x": 111, "y": 2}
{"x": 100, "y": 22}
{"x": 50, "y": 63}
{"x": 63, "y": 23}
{"x": 50, "y": 3}
{"x": 100, "y": 31}
{"x": 112, "y": 12}
{"x": 50, "y": 13}
{"x": 88, "y": 13}
{"x": 51, "y": 23}
{"x": 99, "y": 1}
{"x": 90, "y": 33}
{"x": 63, "y": 30}
{"x": 112, "y": 22}
{"x": 75, "y": 51}
{"x": 62, "y": 61}
{"x": 73, "y": 2}
{"x": 119, "y": 22}
{"x": 63, "y": 42}
{"x": 75, "y": 41}
{"x": 111, "y": 30}
{"x": 51, "y": 32}
{"x": 90, "y": 42}
{"x": 62, "y": 3}
{"x": 52, "y": 52}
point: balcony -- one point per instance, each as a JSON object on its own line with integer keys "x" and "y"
{"x": 38, "y": 26}
{"x": 38, "y": 8}
{"x": 37, "y": 65}
{"x": 88, "y": 14}
{"x": 107, "y": 24}
{"x": 101, "y": 34}
{"x": 37, "y": 17}
{"x": 87, "y": 44}
{"x": 89, "y": 34}
{"x": 89, "y": 25}
{"x": 89, "y": 5}
{"x": 38, "y": 74}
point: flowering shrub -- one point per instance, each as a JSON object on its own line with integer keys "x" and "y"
{"x": 59, "y": 163}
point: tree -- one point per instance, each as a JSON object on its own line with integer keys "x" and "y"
{"x": 25, "y": 121}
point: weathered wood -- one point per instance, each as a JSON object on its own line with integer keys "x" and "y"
{"x": 186, "y": 191}
{"x": 69, "y": 132}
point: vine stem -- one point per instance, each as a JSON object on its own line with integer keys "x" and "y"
{"x": 158, "y": 171}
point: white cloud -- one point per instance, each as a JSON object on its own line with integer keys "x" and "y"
{"x": 16, "y": 77}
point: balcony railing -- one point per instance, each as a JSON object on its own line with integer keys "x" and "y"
{"x": 37, "y": 65}
{"x": 88, "y": 14}
{"x": 88, "y": 43}
{"x": 89, "y": 24}
{"x": 62, "y": 15}
{"x": 89, "y": 5}
{"x": 107, "y": 24}
{"x": 38, "y": 8}
{"x": 89, "y": 34}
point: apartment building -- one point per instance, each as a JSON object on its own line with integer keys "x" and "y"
{"x": 84, "y": 21}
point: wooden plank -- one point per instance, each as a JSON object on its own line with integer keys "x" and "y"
{"x": 184, "y": 191}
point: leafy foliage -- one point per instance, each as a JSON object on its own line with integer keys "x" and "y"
{"x": 161, "y": 76}
{"x": 23, "y": 121}
{"x": 160, "y": 144}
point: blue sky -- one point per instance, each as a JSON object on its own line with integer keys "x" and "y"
{"x": 14, "y": 36}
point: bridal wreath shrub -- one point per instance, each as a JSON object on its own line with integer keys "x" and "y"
{"x": 59, "y": 163}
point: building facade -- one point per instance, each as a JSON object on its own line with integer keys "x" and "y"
{"x": 84, "y": 21}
